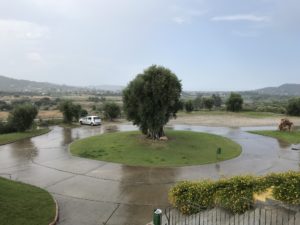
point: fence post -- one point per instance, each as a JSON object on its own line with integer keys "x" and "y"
{"x": 157, "y": 215}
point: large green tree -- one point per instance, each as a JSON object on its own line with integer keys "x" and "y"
{"x": 234, "y": 103}
{"x": 151, "y": 99}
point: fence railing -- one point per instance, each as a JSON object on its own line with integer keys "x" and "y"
{"x": 259, "y": 215}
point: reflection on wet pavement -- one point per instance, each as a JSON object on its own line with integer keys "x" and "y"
{"x": 95, "y": 192}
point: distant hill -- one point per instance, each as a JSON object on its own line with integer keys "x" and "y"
{"x": 284, "y": 90}
{"x": 8, "y": 84}
{"x": 14, "y": 85}
{"x": 113, "y": 88}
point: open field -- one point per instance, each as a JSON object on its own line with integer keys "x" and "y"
{"x": 229, "y": 119}
{"x": 43, "y": 114}
{"x": 24, "y": 204}
{"x": 292, "y": 137}
{"x": 12, "y": 137}
{"x": 132, "y": 148}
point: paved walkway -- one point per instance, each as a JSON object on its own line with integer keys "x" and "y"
{"x": 93, "y": 192}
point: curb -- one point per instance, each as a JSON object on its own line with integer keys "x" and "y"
{"x": 21, "y": 139}
{"x": 55, "y": 220}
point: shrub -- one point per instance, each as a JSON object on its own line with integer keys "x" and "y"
{"x": 288, "y": 189}
{"x": 189, "y": 107}
{"x": 293, "y": 107}
{"x": 236, "y": 194}
{"x": 70, "y": 111}
{"x": 22, "y": 117}
{"x": 111, "y": 110}
{"x": 191, "y": 197}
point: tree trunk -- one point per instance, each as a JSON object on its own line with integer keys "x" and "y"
{"x": 155, "y": 135}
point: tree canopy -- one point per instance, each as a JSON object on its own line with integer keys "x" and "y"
{"x": 234, "y": 103}
{"x": 70, "y": 111}
{"x": 151, "y": 99}
{"x": 293, "y": 107}
{"x": 22, "y": 117}
{"x": 111, "y": 110}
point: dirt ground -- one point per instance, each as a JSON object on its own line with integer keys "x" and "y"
{"x": 230, "y": 120}
{"x": 51, "y": 114}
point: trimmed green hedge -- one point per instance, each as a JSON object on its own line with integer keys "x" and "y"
{"x": 234, "y": 194}
{"x": 190, "y": 197}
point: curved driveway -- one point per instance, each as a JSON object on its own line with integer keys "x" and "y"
{"x": 93, "y": 192}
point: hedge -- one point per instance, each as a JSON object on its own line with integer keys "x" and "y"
{"x": 191, "y": 197}
{"x": 234, "y": 194}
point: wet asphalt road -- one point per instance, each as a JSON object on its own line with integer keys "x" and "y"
{"x": 93, "y": 192}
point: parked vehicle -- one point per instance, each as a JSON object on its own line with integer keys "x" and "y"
{"x": 90, "y": 120}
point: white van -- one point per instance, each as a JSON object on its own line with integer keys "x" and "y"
{"x": 90, "y": 120}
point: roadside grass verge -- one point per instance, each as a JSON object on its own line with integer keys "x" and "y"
{"x": 292, "y": 137}
{"x": 132, "y": 148}
{"x": 24, "y": 204}
{"x": 12, "y": 137}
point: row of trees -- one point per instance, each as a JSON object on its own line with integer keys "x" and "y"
{"x": 234, "y": 103}
{"x": 201, "y": 102}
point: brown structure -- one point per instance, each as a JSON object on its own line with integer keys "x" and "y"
{"x": 285, "y": 124}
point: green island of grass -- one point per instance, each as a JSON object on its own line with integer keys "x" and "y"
{"x": 12, "y": 137}
{"x": 292, "y": 137}
{"x": 25, "y": 204}
{"x": 132, "y": 148}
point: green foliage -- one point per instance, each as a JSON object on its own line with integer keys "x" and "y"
{"x": 111, "y": 110}
{"x": 293, "y": 107}
{"x": 4, "y": 106}
{"x": 70, "y": 111}
{"x": 190, "y": 197}
{"x": 45, "y": 102}
{"x": 234, "y": 194}
{"x": 288, "y": 189}
{"x": 189, "y": 107}
{"x": 234, "y": 103}
{"x": 217, "y": 100}
{"x": 208, "y": 103}
{"x": 151, "y": 99}
{"x": 22, "y": 117}
{"x": 197, "y": 103}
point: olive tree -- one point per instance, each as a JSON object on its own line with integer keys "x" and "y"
{"x": 151, "y": 99}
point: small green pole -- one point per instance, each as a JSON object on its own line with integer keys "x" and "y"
{"x": 157, "y": 215}
{"x": 219, "y": 151}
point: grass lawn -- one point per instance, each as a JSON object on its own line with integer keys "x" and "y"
{"x": 132, "y": 148}
{"x": 292, "y": 137}
{"x": 12, "y": 137}
{"x": 22, "y": 204}
{"x": 247, "y": 114}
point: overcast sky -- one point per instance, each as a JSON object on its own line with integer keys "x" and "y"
{"x": 209, "y": 44}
